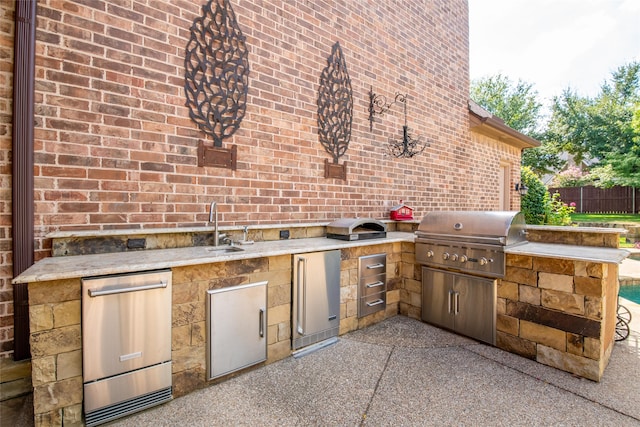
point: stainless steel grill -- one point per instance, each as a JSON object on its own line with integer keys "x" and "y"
{"x": 462, "y": 254}
{"x": 469, "y": 241}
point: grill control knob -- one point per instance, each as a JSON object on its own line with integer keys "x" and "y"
{"x": 429, "y": 254}
{"x": 454, "y": 257}
{"x": 445, "y": 255}
{"x": 464, "y": 258}
{"x": 483, "y": 261}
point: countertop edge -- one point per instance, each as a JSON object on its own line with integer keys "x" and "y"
{"x": 572, "y": 229}
{"x": 572, "y": 252}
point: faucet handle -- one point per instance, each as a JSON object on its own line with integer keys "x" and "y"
{"x": 244, "y": 240}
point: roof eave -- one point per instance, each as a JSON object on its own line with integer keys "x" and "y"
{"x": 483, "y": 122}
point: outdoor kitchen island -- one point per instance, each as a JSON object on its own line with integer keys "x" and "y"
{"x": 534, "y": 300}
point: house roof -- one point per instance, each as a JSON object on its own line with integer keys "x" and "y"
{"x": 485, "y": 123}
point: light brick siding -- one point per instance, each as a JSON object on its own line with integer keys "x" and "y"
{"x": 115, "y": 148}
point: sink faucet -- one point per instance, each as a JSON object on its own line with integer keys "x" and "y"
{"x": 213, "y": 217}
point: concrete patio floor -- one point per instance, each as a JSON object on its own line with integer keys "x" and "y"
{"x": 405, "y": 372}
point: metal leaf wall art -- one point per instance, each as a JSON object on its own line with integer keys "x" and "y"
{"x": 216, "y": 79}
{"x": 335, "y": 111}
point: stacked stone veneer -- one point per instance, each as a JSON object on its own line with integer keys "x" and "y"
{"x": 56, "y": 340}
{"x": 558, "y": 312}
{"x": 56, "y": 352}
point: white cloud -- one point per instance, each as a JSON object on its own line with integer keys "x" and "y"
{"x": 554, "y": 44}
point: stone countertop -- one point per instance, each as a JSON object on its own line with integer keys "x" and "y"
{"x": 67, "y": 267}
{"x": 573, "y": 252}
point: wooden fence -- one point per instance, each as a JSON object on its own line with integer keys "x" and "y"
{"x": 601, "y": 200}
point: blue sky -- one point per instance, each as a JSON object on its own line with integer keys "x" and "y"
{"x": 553, "y": 44}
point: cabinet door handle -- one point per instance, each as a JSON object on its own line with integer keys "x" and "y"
{"x": 456, "y": 305}
{"x": 302, "y": 289}
{"x": 376, "y": 302}
{"x": 378, "y": 265}
{"x": 261, "y": 323}
{"x": 449, "y": 301}
{"x": 375, "y": 284}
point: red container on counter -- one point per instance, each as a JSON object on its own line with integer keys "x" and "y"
{"x": 401, "y": 212}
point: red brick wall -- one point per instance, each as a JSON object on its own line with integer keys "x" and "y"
{"x": 115, "y": 148}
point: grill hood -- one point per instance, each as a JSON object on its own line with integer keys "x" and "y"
{"x": 495, "y": 227}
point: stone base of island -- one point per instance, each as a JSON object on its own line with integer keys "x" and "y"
{"x": 556, "y": 304}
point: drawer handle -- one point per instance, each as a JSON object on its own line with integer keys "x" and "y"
{"x": 376, "y": 302}
{"x": 98, "y": 293}
{"x": 378, "y": 265}
{"x": 375, "y": 284}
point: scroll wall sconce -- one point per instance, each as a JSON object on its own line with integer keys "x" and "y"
{"x": 409, "y": 146}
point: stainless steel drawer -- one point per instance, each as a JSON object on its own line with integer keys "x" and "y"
{"x": 126, "y": 323}
{"x": 372, "y": 265}
{"x": 373, "y": 285}
{"x": 372, "y": 303}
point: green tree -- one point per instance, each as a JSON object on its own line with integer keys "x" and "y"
{"x": 604, "y": 129}
{"x": 517, "y": 104}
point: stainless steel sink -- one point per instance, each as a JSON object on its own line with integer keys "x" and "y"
{"x": 221, "y": 250}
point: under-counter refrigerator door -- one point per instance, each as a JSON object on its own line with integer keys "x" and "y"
{"x": 316, "y": 297}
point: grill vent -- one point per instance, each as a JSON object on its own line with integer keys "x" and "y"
{"x": 128, "y": 407}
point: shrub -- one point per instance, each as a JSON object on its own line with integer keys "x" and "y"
{"x": 570, "y": 177}
{"x": 533, "y": 203}
{"x": 557, "y": 212}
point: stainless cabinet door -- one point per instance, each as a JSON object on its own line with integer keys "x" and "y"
{"x": 437, "y": 298}
{"x": 476, "y": 300}
{"x": 237, "y": 328}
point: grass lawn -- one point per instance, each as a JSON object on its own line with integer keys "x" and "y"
{"x": 619, "y": 218}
